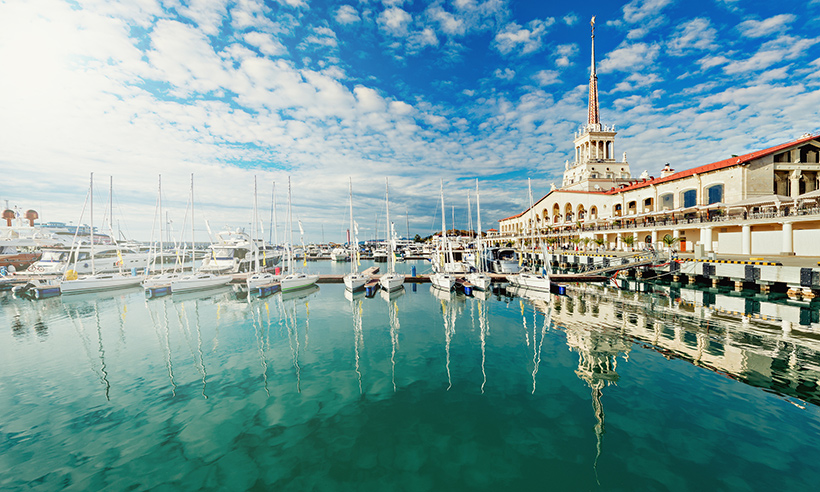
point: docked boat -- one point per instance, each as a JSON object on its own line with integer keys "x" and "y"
{"x": 259, "y": 277}
{"x": 339, "y": 254}
{"x": 380, "y": 255}
{"x": 38, "y": 288}
{"x": 531, "y": 280}
{"x": 55, "y": 261}
{"x": 199, "y": 280}
{"x": 478, "y": 279}
{"x": 391, "y": 280}
{"x": 501, "y": 260}
{"x": 295, "y": 280}
{"x": 354, "y": 280}
{"x": 231, "y": 253}
{"x": 441, "y": 278}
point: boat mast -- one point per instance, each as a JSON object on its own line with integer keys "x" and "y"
{"x": 391, "y": 259}
{"x": 353, "y": 244}
{"x": 272, "y": 205}
{"x": 254, "y": 246}
{"x": 290, "y": 233}
{"x": 478, "y": 212}
{"x": 91, "y": 192}
{"x": 443, "y": 230}
{"x": 193, "y": 256}
{"x": 161, "y": 228}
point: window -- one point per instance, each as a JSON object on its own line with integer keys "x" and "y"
{"x": 714, "y": 194}
{"x": 667, "y": 201}
{"x": 689, "y": 198}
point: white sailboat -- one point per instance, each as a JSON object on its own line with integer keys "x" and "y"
{"x": 531, "y": 280}
{"x": 162, "y": 278}
{"x": 72, "y": 284}
{"x": 391, "y": 280}
{"x": 197, "y": 280}
{"x": 258, "y": 278}
{"x": 440, "y": 278}
{"x": 354, "y": 280}
{"x": 479, "y": 279}
{"x": 295, "y": 280}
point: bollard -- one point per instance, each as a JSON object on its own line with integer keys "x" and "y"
{"x": 413, "y": 271}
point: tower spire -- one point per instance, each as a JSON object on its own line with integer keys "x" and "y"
{"x": 594, "y": 117}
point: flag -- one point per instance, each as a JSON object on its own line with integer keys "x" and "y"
{"x": 355, "y": 228}
{"x": 119, "y": 256}
{"x": 301, "y": 231}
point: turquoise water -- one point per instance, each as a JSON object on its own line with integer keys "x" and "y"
{"x": 598, "y": 390}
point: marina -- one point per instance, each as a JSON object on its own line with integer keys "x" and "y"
{"x": 377, "y": 246}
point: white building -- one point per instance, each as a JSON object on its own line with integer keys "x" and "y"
{"x": 764, "y": 202}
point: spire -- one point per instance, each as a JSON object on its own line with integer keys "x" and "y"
{"x": 594, "y": 117}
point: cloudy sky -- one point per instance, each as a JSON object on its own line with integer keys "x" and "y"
{"x": 416, "y": 91}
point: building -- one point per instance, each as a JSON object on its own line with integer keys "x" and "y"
{"x": 761, "y": 203}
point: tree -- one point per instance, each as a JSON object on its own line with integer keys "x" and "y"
{"x": 586, "y": 242}
{"x": 417, "y": 239}
{"x": 628, "y": 240}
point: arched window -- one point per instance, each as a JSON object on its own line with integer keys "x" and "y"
{"x": 667, "y": 201}
{"x": 714, "y": 194}
{"x": 689, "y": 198}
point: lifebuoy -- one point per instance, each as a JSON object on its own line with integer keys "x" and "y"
{"x": 40, "y": 269}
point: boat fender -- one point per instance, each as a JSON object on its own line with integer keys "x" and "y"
{"x": 71, "y": 275}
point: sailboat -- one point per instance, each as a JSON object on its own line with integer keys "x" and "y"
{"x": 391, "y": 280}
{"x": 440, "y": 278}
{"x": 197, "y": 280}
{"x": 354, "y": 280}
{"x": 160, "y": 281}
{"x": 479, "y": 279}
{"x": 71, "y": 283}
{"x": 258, "y": 278}
{"x": 531, "y": 280}
{"x": 295, "y": 280}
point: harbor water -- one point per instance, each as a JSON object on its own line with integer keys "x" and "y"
{"x": 419, "y": 390}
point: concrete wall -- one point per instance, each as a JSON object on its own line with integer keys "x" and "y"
{"x": 807, "y": 242}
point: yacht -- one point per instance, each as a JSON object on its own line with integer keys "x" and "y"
{"x": 231, "y": 253}
{"x": 391, "y": 280}
{"x": 55, "y": 261}
{"x": 339, "y": 254}
{"x": 501, "y": 260}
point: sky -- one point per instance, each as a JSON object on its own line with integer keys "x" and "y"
{"x": 423, "y": 93}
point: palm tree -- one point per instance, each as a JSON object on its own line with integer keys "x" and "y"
{"x": 586, "y": 242}
{"x": 628, "y": 240}
{"x": 670, "y": 243}
{"x": 599, "y": 241}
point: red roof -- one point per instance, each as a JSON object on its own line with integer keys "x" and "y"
{"x": 492, "y": 230}
{"x": 732, "y": 161}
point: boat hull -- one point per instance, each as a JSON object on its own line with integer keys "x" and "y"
{"x": 355, "y": 281}
{"x": 530, "y": 281}
{"x": 443, "y": 281}
{"x": 480, "y": 281}
{"x": 94, "y": 283}
{"x": 199, "y": 281}
{"x": 298, "y": 281}
{"x": 391, "y": 281}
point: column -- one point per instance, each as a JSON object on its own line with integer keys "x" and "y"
{"x": 794, "y": 180}
{"x": 655, "y": 239}
{"x": 788, "y": 239}
{"x": 746, "y": 240}
{"x": 618, "y": 242}
{"x": 706, "y": 238}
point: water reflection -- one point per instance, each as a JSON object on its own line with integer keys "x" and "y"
{"x": 764, "y": 350}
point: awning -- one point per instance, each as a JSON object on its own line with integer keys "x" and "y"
{"x": 812, "y": 195}
{"x": 776, "y": 200}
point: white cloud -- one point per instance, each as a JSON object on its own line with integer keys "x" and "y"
{"x": 773, "y": 25}
{"x": 696, "y": 34}
{"x": 637, "y": 81}
{"x": 419, "y": 40}
{"x": 448, "y": 23}
{"x": 570, "y": 19}
{"x": 713, "y": 61}
{"x": 265, "y": 43}
{"x": 563, "y": 53}
{"x": 522, "y": 40}
{"x": 546, "y": 77}
{"x": 322, "y": 36}
{"x": 506, "y": 74}
{"x": 395, "y": 21}
{"x": 629, "y": 58}
{"x": 772, "y": 52}
{"x": 207, "y": 14}
{"x": 347, "y": 14}
{"x": 643, "y": 10}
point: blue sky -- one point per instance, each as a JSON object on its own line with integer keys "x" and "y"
{"x": 410, "y": 90}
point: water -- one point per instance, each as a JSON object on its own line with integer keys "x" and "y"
{"x": 599, "y": 390}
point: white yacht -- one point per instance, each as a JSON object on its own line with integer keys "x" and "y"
{"x": 106, "y": 260}
{"x": 294, "y": 280}
{"x": 531, "y": 280}
{"x": 441, "y": 278}
{"x": 478, "y": 278}
{"x": 232, "y": 253}
{"x": 339, "y": 254}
